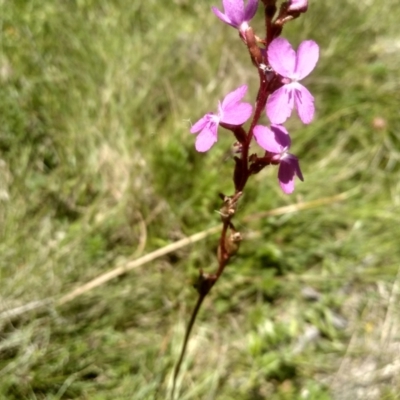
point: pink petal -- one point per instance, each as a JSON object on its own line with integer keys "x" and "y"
{"x": 222, "y": 16}
{"x": 205, "y": 140}
{"x": 282, "y": 57}
{"x": 298, "y": 5}
{"x": 288, "y": 168}
{"x": 234, "y": 97}
{"x": 201, "y": 123}
{"x": 304, "y": 103}
{"x": 238, "y": 114}
{"x": 234, "y": 9}
{"x": 287, "y": 187}
{"x": 280, "y": 104}
{"x": 286, "y": 177}
{"x": 266, "y": 139}
{"x": 250, "y": 10}
{"x": 294, "y": 162}
{"x": 281, "y": 136}
{"x": 298, "y": 171}
{"x": 307, "y": 58}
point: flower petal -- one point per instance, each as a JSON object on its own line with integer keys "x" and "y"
{"x": 280, "y": 104}
{"x": 222, "y": 16}
{"x": 238, "y": 114}
{"x": 234, "y": 10}
{"x": 266, "y": 139}
{"x": 298, "y": 5}
{"x": 282, "y": 57}
{"x": 307, "y": 58}
{"x": 281, "y": 136}
{"x": 286, "y": 177}
{"x": 250, "y": 10}
{"x": 304, "y": 103}
{"x": 294, "y": 162}
{"x": 234, "y": 97}
{"x": 201, "y": 123}
{"x": 298, "y": 170}
{"x": 288, "y": 168}
{"x": 205, "y": 139}
{"x": 286, "y": 174}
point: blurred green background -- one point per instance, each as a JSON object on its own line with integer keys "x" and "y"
{"x": 97, "y": 168}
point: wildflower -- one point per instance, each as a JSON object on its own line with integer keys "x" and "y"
{"x": 292, "y": 67}
{"x": 231, "y": 112}
{"x": 298, "y": 5}
{"x": 236, "y": 14}
{"x": 277, "y": 141}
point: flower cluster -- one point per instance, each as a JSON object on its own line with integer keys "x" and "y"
{"x": 281, "y": 69}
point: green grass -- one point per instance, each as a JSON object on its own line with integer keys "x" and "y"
{"x": 97, "y": 168}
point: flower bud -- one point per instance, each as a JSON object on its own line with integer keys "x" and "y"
{"x": 229, "y": 206}
{"x": 231, "y": 245}
{"x": 297, "y": 5}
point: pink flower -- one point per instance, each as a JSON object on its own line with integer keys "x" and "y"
{"x": 298, "y": 5}
{"x": 292, "y": 67}
{"x": 277, "y": 141}
{"x": 236, "y": 14}
{"x": 231, "y": 111}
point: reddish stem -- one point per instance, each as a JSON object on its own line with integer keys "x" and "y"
{"x": 242, "y": 170}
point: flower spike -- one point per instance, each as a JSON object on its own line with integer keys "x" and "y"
{"x": 279, "y": 69}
